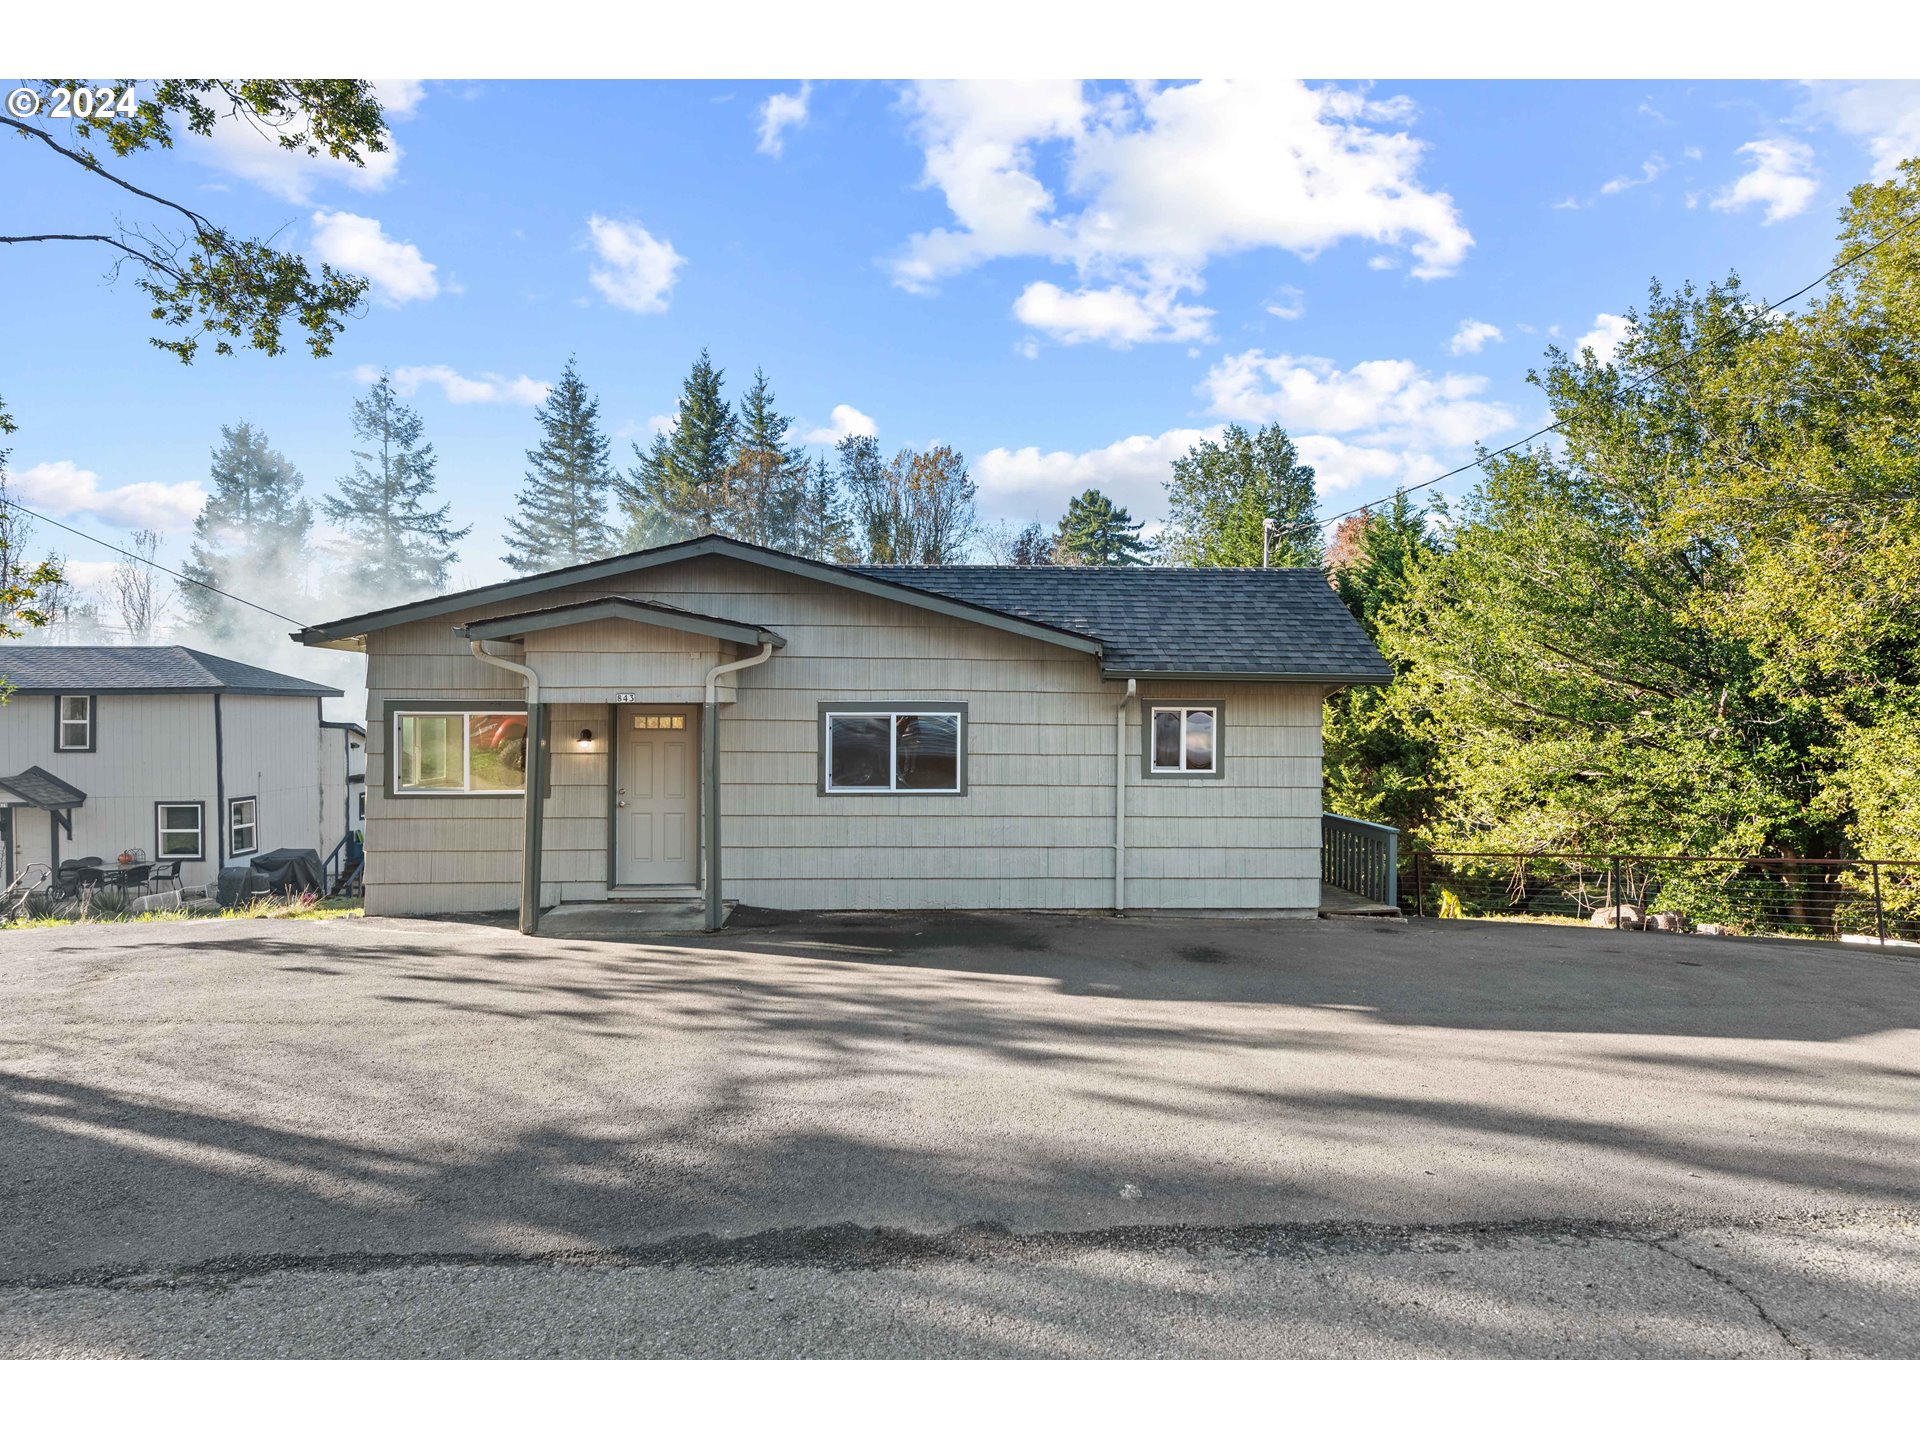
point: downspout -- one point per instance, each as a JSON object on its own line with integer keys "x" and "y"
{"x": 710, "y": 766}
{"x": 536, "y": 788}
{"x": 1120, "y": 799}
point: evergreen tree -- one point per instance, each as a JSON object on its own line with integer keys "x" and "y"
{"x": 766, "y": 481}
{"x": 678, "y": 488}
{"x": 822, "y": 530}
{"x": 863, "y": 481}
{"x": 1095, "y": 531}
{"x": 400, "y": 548}
{"x": 250, "y": 538}
{"x": 561, "y": 511}
{"x": 1220, "y": 494}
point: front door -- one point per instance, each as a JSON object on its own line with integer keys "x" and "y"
{"x": 656, "y": 836}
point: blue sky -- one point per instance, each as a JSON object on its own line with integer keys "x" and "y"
{"x": 1067, "y": 282}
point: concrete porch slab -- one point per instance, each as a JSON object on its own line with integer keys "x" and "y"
{"x": 628, "y": 920}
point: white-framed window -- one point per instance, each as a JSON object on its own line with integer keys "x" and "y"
{"x": 1184, "y": 740}
{"x": 179, "y": 830}
{"x": 73, "y": 723}
{"x": 360, "y": 804}
{"x": 243, "y": 825}
{"x": 459, "y": 752}
{"x": 871, "y": 750}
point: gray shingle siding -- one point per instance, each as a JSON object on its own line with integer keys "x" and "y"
{"x": 1162, "y": 621}
{"x": 158, "y": 669}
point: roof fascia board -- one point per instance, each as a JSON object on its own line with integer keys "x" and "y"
{"x": 689, "y": 550}
{"x": 613, "y": 608}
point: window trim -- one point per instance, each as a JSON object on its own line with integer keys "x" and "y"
{"x": 60, "y": 724}
{"x": 387, "y": 759}
{"x": 199, "y": 808}
{"x": 234, "y": 851}
{"x": 1150, "y": 707}
{"x": 830, "y": 708}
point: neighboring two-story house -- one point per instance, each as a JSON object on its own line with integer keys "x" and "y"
{"x": 182, "y": 754}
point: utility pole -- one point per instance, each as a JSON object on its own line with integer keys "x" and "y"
{"x": 1266, "y": 541}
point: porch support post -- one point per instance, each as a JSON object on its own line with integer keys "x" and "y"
{"x": 536, "y": 809}
{"x": 710, "y": 804}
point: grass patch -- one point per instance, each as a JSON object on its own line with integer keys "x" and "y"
{"x": 296, "y": 907}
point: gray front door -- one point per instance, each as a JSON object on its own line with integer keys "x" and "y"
{"x": 656, "y": 834}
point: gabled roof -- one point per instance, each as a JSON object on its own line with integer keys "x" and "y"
{"x": 41, "y": 788}
{"x": 619, "y": 566}
{"x": 151, "y": 669}
{"x": 1284, "y": 624}
{"x": 621, "y": 607}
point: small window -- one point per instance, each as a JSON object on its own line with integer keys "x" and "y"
{"x": 74, "y": 728}
{"x": 243, "y": 828}
{"x": 894, "y": 751}
{"x": 179, "y": 831}
{"x": 1184, "y": 740}
{"x": 659, "y": 722}
{"x": 361, "y": 802}
{"x": 460, "y": 752}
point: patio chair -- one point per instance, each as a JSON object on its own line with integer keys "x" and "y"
{"x": 133, "y": 878}
{"x": 164, "y": 876}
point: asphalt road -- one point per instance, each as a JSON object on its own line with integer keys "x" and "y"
{"x": 954, "y": 1135}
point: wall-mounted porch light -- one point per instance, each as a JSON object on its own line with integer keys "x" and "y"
{"x": 586, "y": 737}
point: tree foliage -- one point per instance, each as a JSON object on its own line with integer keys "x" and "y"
{"x": 251, "y": 538}
{"x": 916, "y": 509}
{"x": 765, "y": 483}
{"x": 397, "y": 546}
{"x": 201, "y": 278}
{"x": 678, "y": 488}
{"x": 1222, "y": 492}
{"x": 1095, "y": 531}
{"x": 560, "y": 514}
{"x": 24, "y": 582}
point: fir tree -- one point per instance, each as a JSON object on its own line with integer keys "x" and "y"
{"x": 399, "y": 548}
{"x": 1095, "y": 531}
{"x": 561, "y": 516}
{"x": 822, "y": 530}
{"x": 766, "y": 482}
{"x": 678, "y": 488}
{"x": 250, "y": 538}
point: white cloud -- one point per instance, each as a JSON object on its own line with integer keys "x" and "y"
{"x": 1380, "y": 402}
{"x": 357, "y": 244}
{"x": 1289, "y": 302}
{"x": 1782, "y": 178}
{"x": 1114, "y": 314}
{"x": 62, "y": 488}
{"x": 256, "y": 155}
{"x": 1340, "y": 466}
{"x": 487, "y": 389}
{"x": 1033, "y": 482}
{"x": 1605, "y": 337}
{"x": 1472, "y": 337}
{"x": 1883, "y": 113}
{"x": 399, "y": 98}
{"x": 1651, "y": 169}
{"x": 1159, "y": 180}
{"x": 637, "y": 270}
{"x": 846, "y": 421}
{"x": 780, "y": 113}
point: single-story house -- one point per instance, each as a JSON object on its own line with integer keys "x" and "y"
{"x": 717, "y": 720}
{"x": 181, "y": 754}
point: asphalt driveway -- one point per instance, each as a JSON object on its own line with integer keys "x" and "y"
{"x": 277, "y": 1101}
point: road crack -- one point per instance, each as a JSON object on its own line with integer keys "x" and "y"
{"x": 1665, "y": 1247}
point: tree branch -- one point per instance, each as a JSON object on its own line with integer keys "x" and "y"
{"x": 88, "y": 163}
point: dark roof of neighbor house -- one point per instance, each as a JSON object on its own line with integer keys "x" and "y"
{"x": 1280, "y": 624}
{"x": 150, "y": 669}
{"x": 42, "y": 788}
{"x": 1253, "y": 624}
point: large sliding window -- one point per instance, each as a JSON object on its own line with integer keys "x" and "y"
{"x": 918, "y": 749}
{"x": 459, "y": 752}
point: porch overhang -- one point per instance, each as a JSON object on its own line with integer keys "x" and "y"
{"x": 43, "y": 790}
{"x": 619, "y": 607}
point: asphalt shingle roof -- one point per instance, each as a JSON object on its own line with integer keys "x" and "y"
{"x": 1149, "y": 619}
{"x": 160, "y": 669}
{"x": 43, "y": 788}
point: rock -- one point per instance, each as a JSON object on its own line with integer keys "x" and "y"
{"x": 1629, "y": 915}
{"x": 1666, "y": 920}
{"x": 1711, "y": 929}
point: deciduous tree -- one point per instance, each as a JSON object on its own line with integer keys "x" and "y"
{"x": 1221, "y": 493}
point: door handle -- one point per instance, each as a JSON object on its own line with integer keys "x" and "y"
{"x": 623, "y": 804}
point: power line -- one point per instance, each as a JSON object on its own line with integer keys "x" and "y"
{"x": 144, "y": 560}
{"x": 1635, "y": 385}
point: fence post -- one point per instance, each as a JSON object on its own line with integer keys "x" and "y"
{"x": 1879, "y": 913}
{"x": 1419, "y": 884}
{"x": 1613, "y": 888}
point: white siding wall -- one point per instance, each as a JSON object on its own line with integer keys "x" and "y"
{"x": 272, "y": 752}
{"x": 1035, "y": 829}
{"x": 149, "y": 748}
